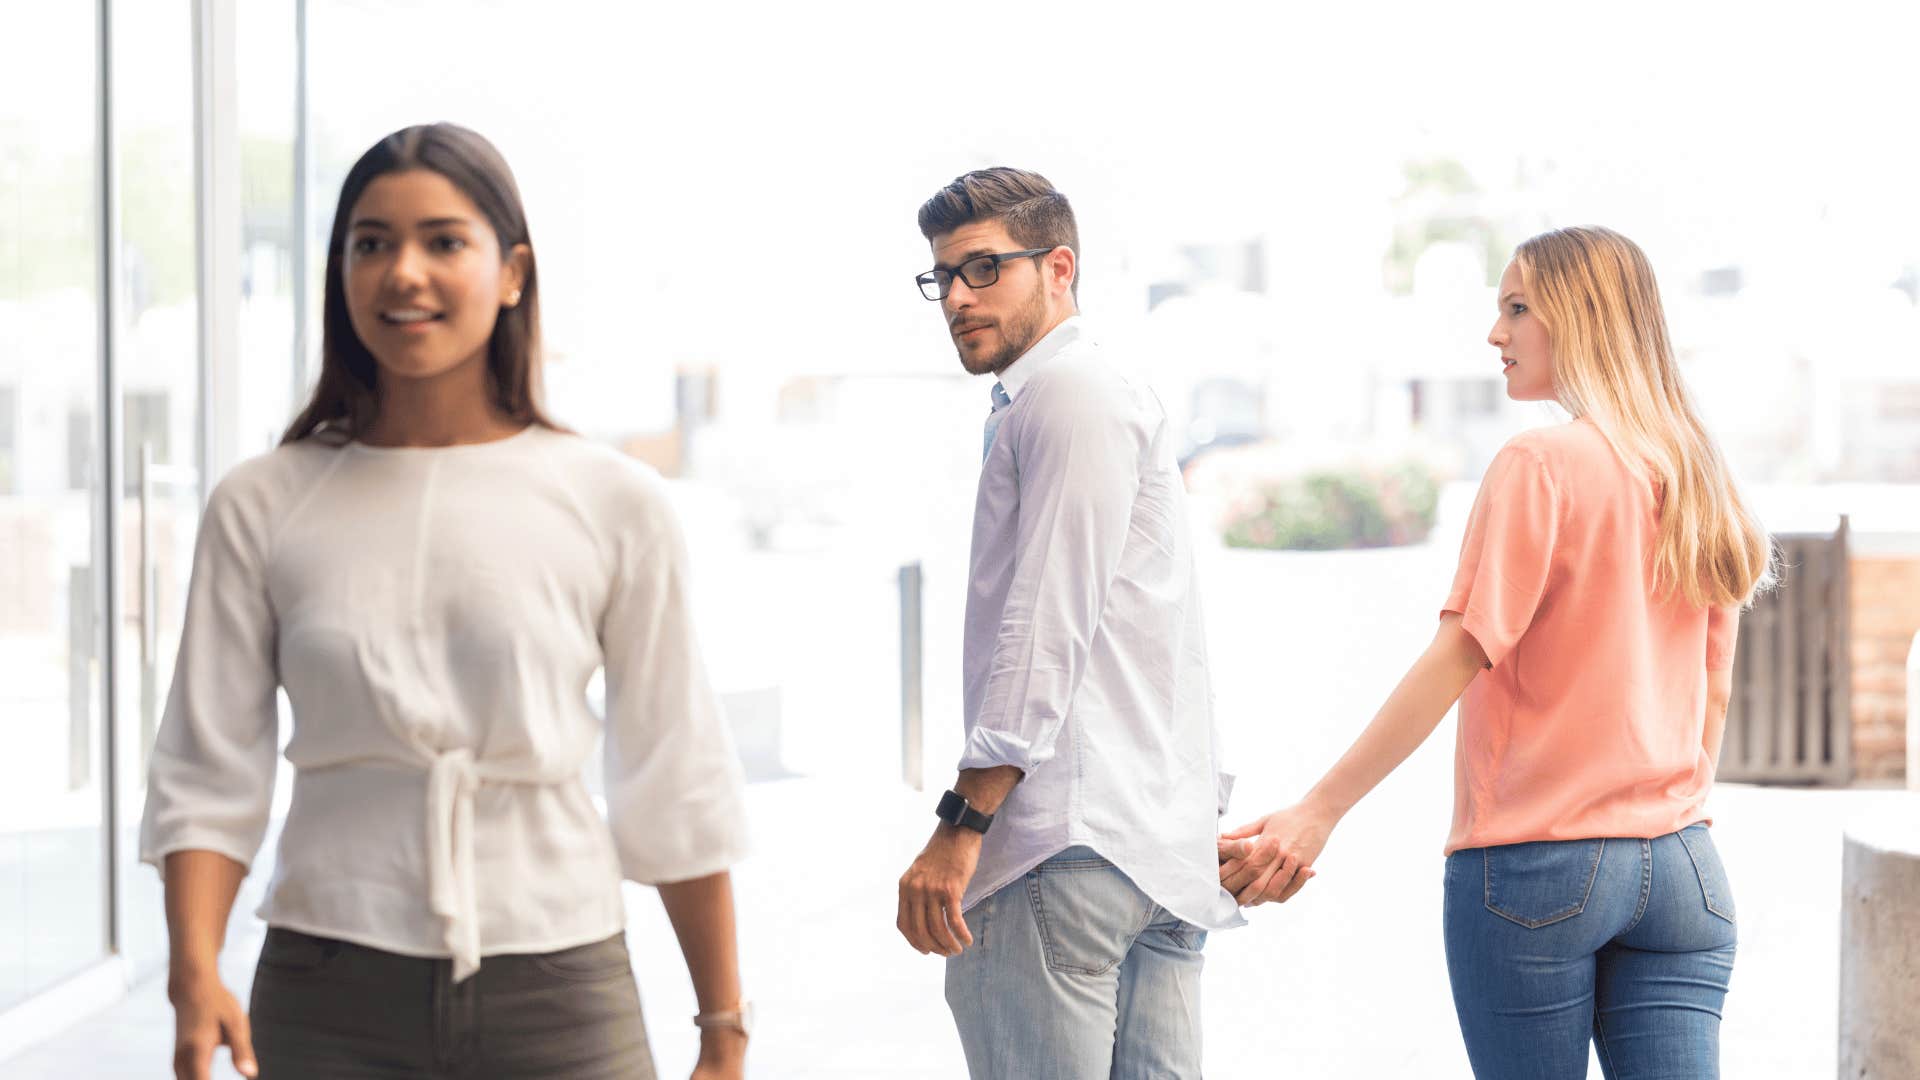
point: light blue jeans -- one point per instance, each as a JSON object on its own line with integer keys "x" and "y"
{"x": 1075, "y": 974}
{"x": 1625, "y": 943}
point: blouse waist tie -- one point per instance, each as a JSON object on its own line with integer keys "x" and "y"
{"x": 452, "y": 892}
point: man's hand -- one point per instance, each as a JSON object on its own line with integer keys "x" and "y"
{"x": 931, "y": 888}
{"x": 207, "y": 1015}
{"x": 1272, "y": 858}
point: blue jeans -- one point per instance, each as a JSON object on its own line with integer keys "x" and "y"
{"x": 1075, "y": 974}
{"x": 1627, "y": 943}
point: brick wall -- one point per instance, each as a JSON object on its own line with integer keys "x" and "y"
{"x": 1886, "y": 613}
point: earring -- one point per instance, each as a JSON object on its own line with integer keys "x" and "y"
{"x": 513, "y": 298}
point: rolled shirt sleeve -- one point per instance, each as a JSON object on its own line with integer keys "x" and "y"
{"x": 1078, "y": 447}
{"x": 210, "y": 779}
{"x": 1506, "y": 556}
{"x": 675, "y": 789}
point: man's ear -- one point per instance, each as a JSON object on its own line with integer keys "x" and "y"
{"x": 1063, "y": 267}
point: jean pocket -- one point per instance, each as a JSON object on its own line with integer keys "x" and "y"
{"x": 1714, "y": 888}
{"x": 978, "y": 917}
{"x": 1188, "y": 937}
{"x": 1541, "y": 883}
{"x": 1088, "y": 913}
{"x": 289, "y": 952}
{"x": 598, "y": 961}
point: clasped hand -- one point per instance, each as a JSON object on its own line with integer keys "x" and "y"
{"x": 1272, "y": 858}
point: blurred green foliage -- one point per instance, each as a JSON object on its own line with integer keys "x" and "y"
{"x": 1330, "y": 509}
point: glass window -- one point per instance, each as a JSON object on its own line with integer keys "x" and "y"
{"x": 52, "y": 860}
{"x": 266, "y": 52}
{"x": 157, "y": 351}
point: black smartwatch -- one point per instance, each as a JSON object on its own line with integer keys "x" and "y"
{"x": 953, "y": 810}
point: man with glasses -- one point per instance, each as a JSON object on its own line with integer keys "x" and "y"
{"x": 1080, "y": 838}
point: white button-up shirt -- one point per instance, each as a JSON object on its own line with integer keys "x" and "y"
{"x": 1085, "y": 662}
{"x": 435, "y": 616}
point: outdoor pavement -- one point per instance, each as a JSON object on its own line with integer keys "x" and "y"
{"x": 1346, "y": 981}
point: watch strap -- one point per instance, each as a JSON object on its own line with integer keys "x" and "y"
{"x": 955, "y": 810}
{"x": 740, "y": 1019}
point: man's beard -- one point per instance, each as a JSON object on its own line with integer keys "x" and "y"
{"x": 1017, "y": 331}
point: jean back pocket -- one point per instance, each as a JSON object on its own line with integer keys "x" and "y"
{"x": 1540, "y": 883}
{"x": 1088, "y": 913}
{"x": 1714, "y": 888}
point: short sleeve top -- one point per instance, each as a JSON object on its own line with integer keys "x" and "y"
{"x": 1590, "y": 720}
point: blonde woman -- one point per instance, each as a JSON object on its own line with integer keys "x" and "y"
{"x": 1591, "y": 628}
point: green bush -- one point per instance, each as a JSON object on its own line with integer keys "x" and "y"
{"x": 1330, "y": 509}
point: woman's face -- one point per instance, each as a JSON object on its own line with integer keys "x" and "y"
{"x": 425, "y": 278}
{"x": 1526, "y": 353}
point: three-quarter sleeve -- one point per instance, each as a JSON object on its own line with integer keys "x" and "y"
{"x": 1078, "y": 448}
{"x": 1723, "y": 627}
{"x": 675, "y": 790}
{"x": 210, "y": 780}
{"x": 1507, "y": 554}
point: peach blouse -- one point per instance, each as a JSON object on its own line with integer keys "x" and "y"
{"x": 1590, "y": 721}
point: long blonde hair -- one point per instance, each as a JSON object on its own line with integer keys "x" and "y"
{"x": 1594, "y": 290}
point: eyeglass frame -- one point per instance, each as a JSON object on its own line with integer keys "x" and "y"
{"x": 993, "y": 262}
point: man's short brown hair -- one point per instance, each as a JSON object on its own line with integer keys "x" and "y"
{"x": 1033, "y": 212}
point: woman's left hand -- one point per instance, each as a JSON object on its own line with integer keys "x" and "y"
{"x": 1272, "y": 858}
{"x": 729, "y": 1070}
{"x": 723, "y": 1055}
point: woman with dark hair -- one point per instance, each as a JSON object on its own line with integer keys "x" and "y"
{"x": 433, "y": 571}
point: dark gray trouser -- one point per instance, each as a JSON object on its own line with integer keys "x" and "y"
{"x": 330, "y": 1010}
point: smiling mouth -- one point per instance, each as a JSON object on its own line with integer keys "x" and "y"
{"x": 1508, "y": 364}
{"x": 410, "y": 317}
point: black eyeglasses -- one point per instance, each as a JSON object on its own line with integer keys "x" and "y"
{"x": 978, "y": 272}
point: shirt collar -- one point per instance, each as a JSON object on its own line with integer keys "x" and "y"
{"x": 1070, "y": 331}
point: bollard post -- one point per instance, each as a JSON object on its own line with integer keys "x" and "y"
{"x": 910, "y": 702}
{"x": 81, "y": 625}
{"x": 1879, "y": 968}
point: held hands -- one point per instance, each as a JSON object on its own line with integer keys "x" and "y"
{"x": 206, "y": 1015}
{"x": 1272, "y": 858}
{"x": 931, "y": 888}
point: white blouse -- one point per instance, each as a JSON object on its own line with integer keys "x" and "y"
{"x": 435, "y": 615}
